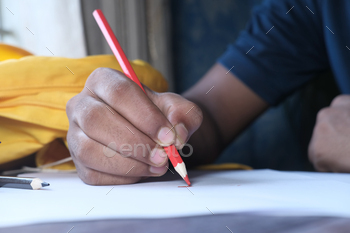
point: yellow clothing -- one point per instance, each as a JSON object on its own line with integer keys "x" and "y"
{"x": 34, "y": 91}
{"x": 224, "y": 166}
{"x": 33, "y": 96}
{"x": 11, "y": 52}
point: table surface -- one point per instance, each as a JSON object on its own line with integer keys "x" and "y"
{"x": 239, "y": 222}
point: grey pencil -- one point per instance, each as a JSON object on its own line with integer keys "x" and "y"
{"x": 22, "y": 182}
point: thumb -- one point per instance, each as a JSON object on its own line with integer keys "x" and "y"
{"x": 185, "y": 116}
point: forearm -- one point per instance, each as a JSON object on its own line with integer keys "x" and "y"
{"x": 228, "y": 108}
{"x": 206, "y": 141}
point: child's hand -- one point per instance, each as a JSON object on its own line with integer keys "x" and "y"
{"x": 116, "y": 132}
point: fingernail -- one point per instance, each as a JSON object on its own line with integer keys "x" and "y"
{"x": 181, "y": 135}
{"x": 166, "y": 136}
{"x": 158, "y": 170}
{"x": 158, "y": 156}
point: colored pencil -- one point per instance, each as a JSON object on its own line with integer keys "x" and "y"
{"x": 22, "y": 182}
{"x": 117, "y": 50}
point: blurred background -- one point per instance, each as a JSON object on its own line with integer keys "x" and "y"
{"x": 182, "y": 39}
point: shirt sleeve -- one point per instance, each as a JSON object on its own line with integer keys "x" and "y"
{"x": 281, "y": 48}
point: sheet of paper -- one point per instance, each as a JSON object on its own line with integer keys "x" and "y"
{"x": 341, "y": 177}
{"x": 69, "y": 199}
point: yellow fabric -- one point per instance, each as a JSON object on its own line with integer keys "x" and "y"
{"x": 224, "y": 166}
{"x": 33, "y": 95}
{"x": 11, "y": 52}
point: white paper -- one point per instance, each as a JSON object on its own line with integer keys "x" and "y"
{"x": 342, "y": 177}
{"x": 283, "y": 193}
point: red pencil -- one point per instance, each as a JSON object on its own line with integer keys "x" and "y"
{"x": 173, "y": 154}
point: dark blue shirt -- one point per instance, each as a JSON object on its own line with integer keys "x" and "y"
{"x": 289, "y": 42}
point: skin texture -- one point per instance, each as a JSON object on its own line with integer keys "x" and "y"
{"x": 228, "y": 108}
{"x": 113, "y": 109}
{"x": 329, "y": 149}
{"x": 112, "y": 112}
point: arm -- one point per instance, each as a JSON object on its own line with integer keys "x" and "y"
{"x": 103, "y": 141}
{"x": 227, "y": 109}
{"x": 272, "y": 70}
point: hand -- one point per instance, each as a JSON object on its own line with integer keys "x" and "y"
{"x": 116, "y": 132}
{"x": 329, "y": 149}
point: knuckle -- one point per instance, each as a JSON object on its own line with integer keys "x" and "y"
{"x": 87, "y": 113}
{"x": 324, "y": 114}
{"x": 153, "y": 115}
{"x": 71, "y": 141}
{"x": 96, "y": 75}
{"x": 70, "y": 106}
{"x": 322, "y": 127}
{"x": 341, "y": 100}
{"x": 76, "y": 109}
{"x": 90, "y": 177}
{"x": 121, "y": 87}
{"x": 115, "y": 83}
{"x": 79, "y": 146}
{"x": 180, "y": 109}
{"x": 82, "y": 150}
{"x": 197, "y": 116}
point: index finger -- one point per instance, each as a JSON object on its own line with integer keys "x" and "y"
{"x": 128, "y": 99}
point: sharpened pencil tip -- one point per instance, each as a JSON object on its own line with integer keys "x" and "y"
{"x": 43, "y": 184}
{"x": 187, "y": 180}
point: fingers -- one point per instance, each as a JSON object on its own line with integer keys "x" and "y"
{"x": 93, "y": 177}
{"x": 104, "y": 125}
{"x": 93, "y": 155}
{"x": 127, "y": 99}
{"x": 183, "y": 114}
{"x": 315, "y": 156}
{"x": 341, "y": 101}
{"x": 115, "y": 128}
{"x": 329, "y": 146}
